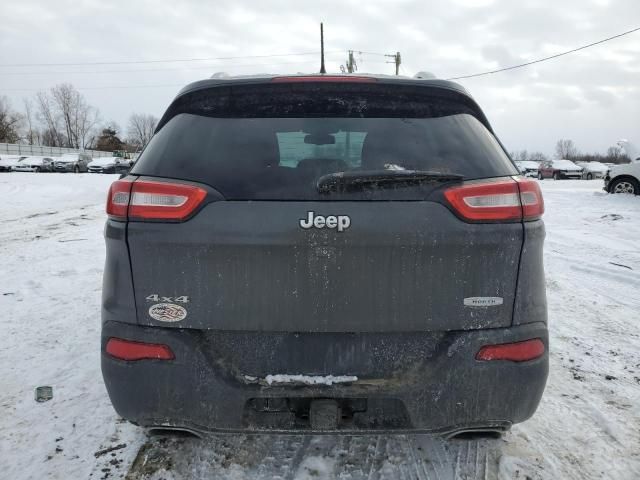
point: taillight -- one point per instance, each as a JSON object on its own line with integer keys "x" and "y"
{"x": 118, "y": 199}
{"x": 531, "y": 198}
{"x": 164, "y": 201}
{"x": 514, "y": 352}
{"x": 497, "y": 200}
{"x": 323, "y": 78}
{"x": 131, "y": 351}
{"x": 143, "y": 199}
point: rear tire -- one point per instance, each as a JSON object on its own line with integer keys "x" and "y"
{"x": 589, "y": 176}
{"x": 76, "y": 169}
{"x": 540, "y": 177}
{"x": 38, "y": 169}
{"x": 556, "y": 176}
{"x": 625, "y": 185}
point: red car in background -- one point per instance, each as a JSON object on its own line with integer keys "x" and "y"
{"x": 558, "y": 169}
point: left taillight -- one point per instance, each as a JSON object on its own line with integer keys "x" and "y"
{"x": 149, "y": 200}
{"x": 504, "y": 200}
{"x": 132, "y": 351}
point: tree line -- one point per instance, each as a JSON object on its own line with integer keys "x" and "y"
{"x": 62, "y": 117}
{"x": 567, "y": 149}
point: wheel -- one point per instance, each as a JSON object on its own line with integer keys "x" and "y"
{"x": 38, "y": 169}
{"x": 589, "y": 176}
{"x": 556, "y": 176}
{"x": 540, "y": 177}
{"x": 76, "y": 169}
{"x": 625, "y": 185}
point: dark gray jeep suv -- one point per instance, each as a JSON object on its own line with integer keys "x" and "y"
{"x": 324, "y": 254}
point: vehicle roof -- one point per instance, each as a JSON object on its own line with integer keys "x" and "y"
{"x": 219, "y": 80}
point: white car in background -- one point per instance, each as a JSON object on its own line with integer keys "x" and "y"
{"x": 34, "y": 164}
{"x": 625, "y": 178}
{"x": 109, "y": 165}
{"x": 591, "y": 170}
{"x": 528, "y": 168}
{"x": 7, "y": 162}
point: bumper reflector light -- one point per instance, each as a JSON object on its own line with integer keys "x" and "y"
{"x": 514, "y": 352}
{"x": 132, "y": 351}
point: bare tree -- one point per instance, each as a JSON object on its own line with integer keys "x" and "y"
{"x": 140, "y": 129}
{"x": 51, "y": 135}
{"x": 32, "y": 135}
{"x": 78, "y": 117}
{"x": 537, "y": 157}
{"x": 66, "y": 117}
{"x": 10, "y": 122}
{"x": 520, "y": 155}
{"x": 566, "y": 149}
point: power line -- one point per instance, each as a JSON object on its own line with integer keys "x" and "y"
{"x": 175, "y": 60}
{"x": 513, "y": 67}
{"x": 106, "y": 87}
{"x": 370, "y": 53}
{"x": 201, "y": 67}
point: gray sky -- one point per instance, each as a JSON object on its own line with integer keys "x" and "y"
{"x": 592, "y": 97}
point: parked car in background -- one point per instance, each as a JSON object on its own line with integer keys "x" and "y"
{"x": 624, "y": 178}
{"x": 7, "y": 162}
{"x": 558, "y": 169}
{"x": 73, "y": 162}
{"x": 591, "y": 170}
{"x": 528, "y": 168}
{"x": 34, "y": 164}
{"x": 110, "y": 165}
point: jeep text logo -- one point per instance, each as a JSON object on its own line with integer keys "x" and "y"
{"x": 341, "y": 222}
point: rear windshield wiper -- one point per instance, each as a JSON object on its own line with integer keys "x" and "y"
{"x": 363, "y": 179}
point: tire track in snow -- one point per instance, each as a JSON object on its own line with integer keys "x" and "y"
{"x": 295, "y": 457}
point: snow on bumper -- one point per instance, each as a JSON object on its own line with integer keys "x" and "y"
{"x": 427, "y": 382}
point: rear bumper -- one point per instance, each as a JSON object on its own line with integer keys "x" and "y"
{"x": 420, "y": 382}
{"x": 65, "y": 168}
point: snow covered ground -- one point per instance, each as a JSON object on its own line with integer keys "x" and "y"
{"x": 52, "y": 253}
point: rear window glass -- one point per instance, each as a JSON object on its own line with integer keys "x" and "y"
{"x": 281, "y": 157}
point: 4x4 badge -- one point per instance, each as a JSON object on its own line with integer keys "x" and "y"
{"x": 341, "y": 222}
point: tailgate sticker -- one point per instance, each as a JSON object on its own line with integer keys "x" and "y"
{"x": 167, "y": 312}
{"x": 483, "y": 301}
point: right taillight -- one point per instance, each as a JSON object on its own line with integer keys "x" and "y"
{"x": 531, "y": 198}
{"x": 150, "y": 200}
{"x": 504, "y": 200}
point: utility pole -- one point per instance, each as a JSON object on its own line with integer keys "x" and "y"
{"x": 322, "y": 69}
{"x": 351, "y": 63}
{"x": 396, "y": 60}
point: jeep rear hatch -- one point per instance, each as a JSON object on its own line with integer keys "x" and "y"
{"x": 281, "y": 167}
